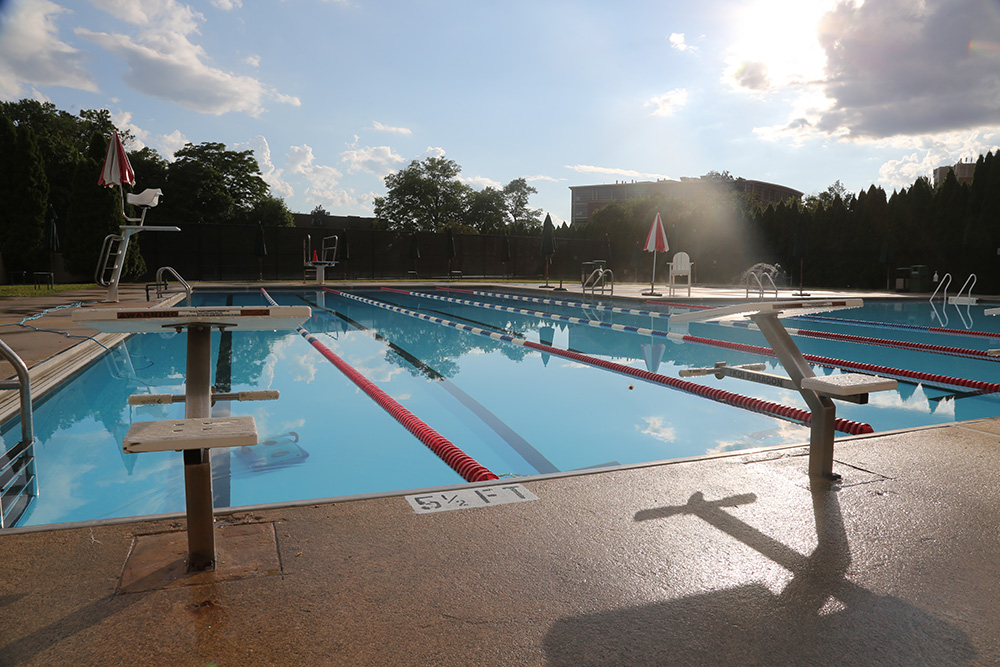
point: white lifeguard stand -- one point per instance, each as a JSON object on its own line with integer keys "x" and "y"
{"x": 198, "y": 432}
{"x": 116, "y": 245}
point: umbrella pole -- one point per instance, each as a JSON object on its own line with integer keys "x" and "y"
{"x": 652, "y": 280}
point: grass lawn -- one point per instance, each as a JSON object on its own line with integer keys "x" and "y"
{"x": 7, "y": 291}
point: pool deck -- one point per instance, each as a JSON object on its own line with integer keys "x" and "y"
{"x": 734, "y": 559}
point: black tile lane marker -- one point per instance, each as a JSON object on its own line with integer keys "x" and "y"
{"x": 524, "y": 449}
{"x": 466, "y": 466}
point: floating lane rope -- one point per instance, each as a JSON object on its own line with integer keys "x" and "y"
{"x": 881, "y": 342}
{"x": 459, "y": 461}
{"x": 892, "y": 325}
{"x": 557, "y": 302}
{"x": 931, "y": 379}
{"x": 786, "y": 412}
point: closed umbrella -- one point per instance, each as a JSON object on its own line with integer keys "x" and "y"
{"x": 52, "y": 238}
{"x": 117, "y": 169}
{"x": 449, "y": 248}
{"x": 260, "y": 249}
{"x": 656, "y": 241}
{"x": 548, "y": 246}
{"x": 505, "y": 254}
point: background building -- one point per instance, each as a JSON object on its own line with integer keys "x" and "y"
{"x": 964, "y": 172}
{"x": 588, "y": 198}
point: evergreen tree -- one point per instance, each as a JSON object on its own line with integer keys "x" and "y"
{"x": 26, "y": 206}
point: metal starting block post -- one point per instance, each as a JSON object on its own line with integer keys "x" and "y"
{"x": 818, "y": 392}
{"x": 198, "y": 432}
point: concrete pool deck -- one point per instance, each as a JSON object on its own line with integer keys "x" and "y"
{"x": 728, "y": 560}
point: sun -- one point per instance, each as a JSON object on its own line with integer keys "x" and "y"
{"x": 776, "y": 44}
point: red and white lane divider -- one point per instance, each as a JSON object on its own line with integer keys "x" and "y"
{"x": 943, "y": 382}
{"x": 459, "y": 461}
{"x": 771, "y": 408}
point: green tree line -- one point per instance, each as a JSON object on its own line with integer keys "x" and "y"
{"x": 50, "y": 161}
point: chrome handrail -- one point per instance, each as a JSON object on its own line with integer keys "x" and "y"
{"x": 159, "y": 279}
{"x": 23, "y": 382}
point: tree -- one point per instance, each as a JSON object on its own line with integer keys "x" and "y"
{"x": 522, "y": 218}
{"x": 208, "y": 183}
{"x": 270, "y": 212}
{"x": 424, "y": 197}
{"x": 25, "y": 204}
{"x": 487, "y": 212}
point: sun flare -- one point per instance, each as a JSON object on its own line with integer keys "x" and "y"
{"x": 776, "y": 45}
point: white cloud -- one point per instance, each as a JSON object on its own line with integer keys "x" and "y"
{"x": 677, "y": 42}
{"x": 656, "y": 427}
{"x": 253, "y": 61}
{"x": 433, "y": 151}
{"x": 614, "y": 171}
{"x": 228, "y": 5}
{"x": 271, "y": 174}
{"x": 32, "y": 53}
{"x": 168, "y": 144}
{"x": 541, "y": 177}
{"x": 163, "y": 62}
{"x": 377, "y": 160}
{"x": 394, "y": 130}
{"x": 668, "y": 103}
{"x": 322, "y": 179}
{"x": 480, "y": 182}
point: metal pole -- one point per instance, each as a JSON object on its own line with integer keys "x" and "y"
{"x": 821, "y": 429}
{"x": 197, "y": 462}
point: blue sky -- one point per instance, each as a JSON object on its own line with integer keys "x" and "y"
{"x": 332, "y": 95}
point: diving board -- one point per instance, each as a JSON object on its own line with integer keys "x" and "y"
{"x": 818, "y": 392}
{"x": 198, "y": 432}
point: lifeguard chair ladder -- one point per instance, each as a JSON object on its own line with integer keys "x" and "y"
{"x": 112, "y": 257}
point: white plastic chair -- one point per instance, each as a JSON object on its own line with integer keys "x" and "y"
{"x": 680, "y": 267}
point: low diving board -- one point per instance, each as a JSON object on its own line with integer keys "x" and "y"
{"x": 198, "y": 432}
{"x": 156, "y": 320}
{"x": 817, "y": 391}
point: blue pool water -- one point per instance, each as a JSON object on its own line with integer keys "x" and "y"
{"x": 516, "y": 410}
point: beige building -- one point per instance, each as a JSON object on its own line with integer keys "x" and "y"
{"x": 588, "y": 198}
{"x": 964, "y": 171}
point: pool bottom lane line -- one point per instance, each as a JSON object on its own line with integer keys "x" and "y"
{"x": 466, "y": 466}
{"x": 517, "y": 444}
{"x": 786, "y": 412}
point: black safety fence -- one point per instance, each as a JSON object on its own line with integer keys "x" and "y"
{"x": 234, "y": 252}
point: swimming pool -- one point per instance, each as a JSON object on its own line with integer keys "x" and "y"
{"x": 516, "y": 410}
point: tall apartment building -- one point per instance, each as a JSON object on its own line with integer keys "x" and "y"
{"x": 964, "y": 171}
{"x": 588, "y": 198}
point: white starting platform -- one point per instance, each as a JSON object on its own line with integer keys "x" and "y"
{"x": 198, "y": 432}
{"x": 818, "y": 392}
{"x": 321, "y": 267}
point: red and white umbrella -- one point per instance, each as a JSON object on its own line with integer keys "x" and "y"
{"x": 117, "y": 169}
{"x": 656, "y": 240}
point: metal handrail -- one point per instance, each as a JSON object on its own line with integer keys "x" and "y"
{"x": 973, "y": 279}
{"x": 23, "y": 382}
{"x": 160, "y": 279}
{"x": 601, "y": 276}
{"x": 943, "y": 287}
{"x": 760, "y": 284}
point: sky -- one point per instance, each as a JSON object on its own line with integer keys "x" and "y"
{"x": 333, "y": 95}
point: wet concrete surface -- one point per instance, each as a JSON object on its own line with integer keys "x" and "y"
{"x": 730, "y": 560}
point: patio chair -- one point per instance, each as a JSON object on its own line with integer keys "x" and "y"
{"x": 680, "y": 267}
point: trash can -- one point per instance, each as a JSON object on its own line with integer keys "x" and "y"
{"x": 903, "y": 279}
{"x": 920, "y": 278}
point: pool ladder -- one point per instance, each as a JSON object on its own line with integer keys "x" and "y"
{"x": 958, "y": 300}
{"x": 758, "y": 276}
{"x": 18, "y": 485}
{"x": 162, "y": 289}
